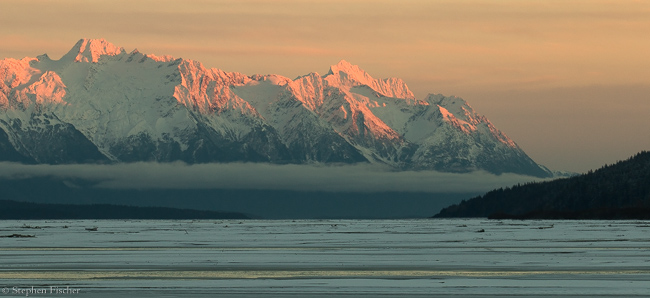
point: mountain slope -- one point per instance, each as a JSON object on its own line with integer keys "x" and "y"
{"x": 620, "y": 190}
{"x": 99, "y": 103}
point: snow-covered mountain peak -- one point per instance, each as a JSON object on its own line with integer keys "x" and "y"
{"x": 466, "y": 127}
{"x": 456, "y": 106}
{"x": 449, "y": 102}
{"x": 350, "y": 71}
{"x": 98, "y": 103}
{"x": 163, "y": 58}
{"x": 16, "y": 72}
{"x": 460, "y": 114}
{"x": 272, "y": 78}
{"x": 90, "y": 50}
{"x": 345, "y": 74}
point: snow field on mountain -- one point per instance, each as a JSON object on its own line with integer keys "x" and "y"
{"x": 139, "y": 107}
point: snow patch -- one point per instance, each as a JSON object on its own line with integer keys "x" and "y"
{"x": 163, "y": 58}
{"x": 91, "y": 50}
{"x": 347, "y": 75}
{"x": 465, "y": 126}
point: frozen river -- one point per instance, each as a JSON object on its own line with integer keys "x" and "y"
{"x": 321, "y": 258}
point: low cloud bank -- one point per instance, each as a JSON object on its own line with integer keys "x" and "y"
{"x": 351, "y": 178}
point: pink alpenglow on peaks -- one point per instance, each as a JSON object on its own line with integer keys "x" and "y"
{"x": 346, "y": 74}
{"x": 460, "y": 124}
{"x": 130, "y": 107}
{"x": 163, "y": 58}
{"x": 48, "y": 89}
{"x": 14, "y": 73}
{"x": 351, "y": 74}
{"x": 457, "y": 112}
{"x": 90, "y": 50}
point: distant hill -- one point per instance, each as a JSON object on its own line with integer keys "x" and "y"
{"x": 26, "y": 210}
{"x": 618, "y": 191}
{"x": 253, "y": 203}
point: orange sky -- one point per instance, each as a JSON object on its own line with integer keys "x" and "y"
{"x": 569, "y": 81}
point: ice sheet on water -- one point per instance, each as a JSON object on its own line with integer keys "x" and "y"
{"x": 414, "y": 257}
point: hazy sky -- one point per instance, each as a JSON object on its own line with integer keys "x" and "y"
{"x": 569, "y": 81}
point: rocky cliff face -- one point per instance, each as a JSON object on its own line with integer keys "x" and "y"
{"x": 99, "y": 103}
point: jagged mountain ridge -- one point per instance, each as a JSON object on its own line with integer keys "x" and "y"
{"x": 99, "y": 103}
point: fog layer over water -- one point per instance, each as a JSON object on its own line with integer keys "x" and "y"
{"x": 350, "y": 178}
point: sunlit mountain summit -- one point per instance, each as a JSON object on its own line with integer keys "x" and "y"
{"x": 101, "y": 104}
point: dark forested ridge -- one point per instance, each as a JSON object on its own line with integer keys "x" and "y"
{"x": 617, "y": 191}
{"x": 253, "y": 203}
{"x": 26, "y": 210}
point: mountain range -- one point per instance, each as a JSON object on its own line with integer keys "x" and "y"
{"x": 101, "y": 104}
